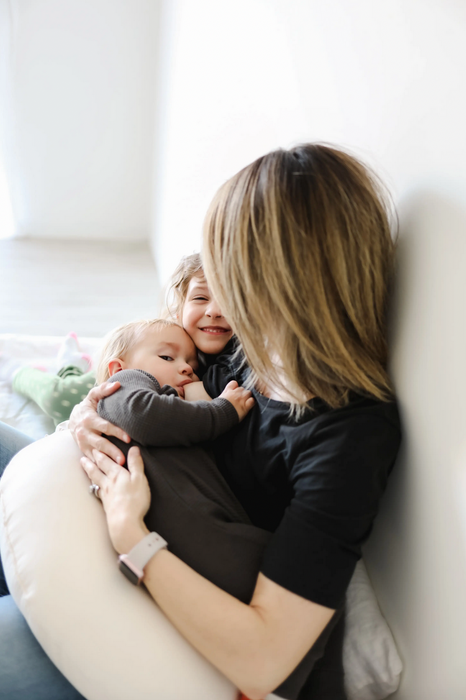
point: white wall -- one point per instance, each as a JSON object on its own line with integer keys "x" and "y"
{"x": 386, "y": 80}
{"x": 417, "y": 554}
{"x": 77, "y": 86}
{"x": 240, "y": 78}
{"x": 229, "y": 93}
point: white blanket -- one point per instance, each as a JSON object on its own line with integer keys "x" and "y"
{"x": 16, "y": 410}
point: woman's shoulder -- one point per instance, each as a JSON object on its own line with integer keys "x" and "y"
{"x": 362, "y": 437}
{"x": 359, "y": 410}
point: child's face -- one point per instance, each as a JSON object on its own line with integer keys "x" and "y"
{"x": 169, "y": 355}
{"x": 203, "y": 319}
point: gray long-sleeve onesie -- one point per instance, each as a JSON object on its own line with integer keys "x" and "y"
{"x": 192, "y": 506}
{"x": 155, "y": 415}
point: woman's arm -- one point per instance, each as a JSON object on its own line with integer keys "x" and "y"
{"x": 256, "y": 646}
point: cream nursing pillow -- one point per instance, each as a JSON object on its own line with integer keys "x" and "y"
{"x": 105, "y": 635}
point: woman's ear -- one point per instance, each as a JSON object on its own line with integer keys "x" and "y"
{"x": 115, "y": 366}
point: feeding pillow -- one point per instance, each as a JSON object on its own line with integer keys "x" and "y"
{"x": 104, "y": 634}
{"x": 62, "y": 572}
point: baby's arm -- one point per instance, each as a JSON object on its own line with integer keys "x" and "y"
{"x": 240, "y": 398}
{"x": 158, "y": 417}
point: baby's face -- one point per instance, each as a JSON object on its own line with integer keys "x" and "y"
{"x": 203, "y": 319}
{"x": 169, "y": 355}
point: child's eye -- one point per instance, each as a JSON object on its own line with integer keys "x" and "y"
{"x": 200, "y": 298}
{"x": 166, "y": 357}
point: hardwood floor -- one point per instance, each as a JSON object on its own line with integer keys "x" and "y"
{"x": 52, "y": 287}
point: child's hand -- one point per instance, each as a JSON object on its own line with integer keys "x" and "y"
{"x": 240, "y": 398}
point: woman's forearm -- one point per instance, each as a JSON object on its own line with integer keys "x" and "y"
{"x": 230, "y": 634}
{"x": 250, "y": 644}
{"x": 256, "y": 646}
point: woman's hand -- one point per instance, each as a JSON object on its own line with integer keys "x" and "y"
{"x": 87, "y": 426}
{"x": 125, "y": 496}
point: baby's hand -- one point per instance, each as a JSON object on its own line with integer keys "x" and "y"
{"x": 240, "y": 398}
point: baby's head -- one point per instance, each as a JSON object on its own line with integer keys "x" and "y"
{"x": 161, "y": 348}
{"x": 190, "y": 302}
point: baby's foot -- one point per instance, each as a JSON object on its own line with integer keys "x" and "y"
{"x": 70, "y": 354}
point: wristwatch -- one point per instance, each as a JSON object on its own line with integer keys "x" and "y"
{"x": 132, "y": 564}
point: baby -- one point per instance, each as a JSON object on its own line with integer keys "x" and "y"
{"x": 192, "y": 506}
{"x": 155, "y": 363}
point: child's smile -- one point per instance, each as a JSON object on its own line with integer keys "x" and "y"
{"x": 202, "y": 318}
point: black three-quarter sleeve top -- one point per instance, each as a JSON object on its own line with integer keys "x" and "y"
{"x": 315, "y": 482}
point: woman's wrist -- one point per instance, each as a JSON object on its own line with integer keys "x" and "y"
{"x": 126, "y": 534}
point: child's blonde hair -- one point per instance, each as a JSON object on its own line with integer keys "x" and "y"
{"x": 122, "y": 339}
{"x": 177, "y": 289}
{"x": 298, "y": 253}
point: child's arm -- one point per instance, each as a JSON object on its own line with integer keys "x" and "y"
{"x": 160, "y": 419}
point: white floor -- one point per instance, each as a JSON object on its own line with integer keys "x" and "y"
{"x": 51, "y": 287}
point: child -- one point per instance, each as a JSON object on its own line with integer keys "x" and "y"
{"x": 192, "y": 506}
{"x": 188, "y": 299}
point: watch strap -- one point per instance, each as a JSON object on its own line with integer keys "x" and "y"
{"x": 141, "y": 554}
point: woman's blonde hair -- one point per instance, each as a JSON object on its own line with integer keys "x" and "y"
{"x": 177, "y": 289}
{"x": 122, "y": 339}
{"x": 299, "y": 254}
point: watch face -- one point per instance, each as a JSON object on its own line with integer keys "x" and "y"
{"x": 129, "y": 573}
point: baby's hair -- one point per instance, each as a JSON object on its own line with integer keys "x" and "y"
{"x": 118, "y": 341}
{"x": 177, "y": 289}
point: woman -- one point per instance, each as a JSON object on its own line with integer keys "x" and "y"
{"x": 298, "y": 253}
